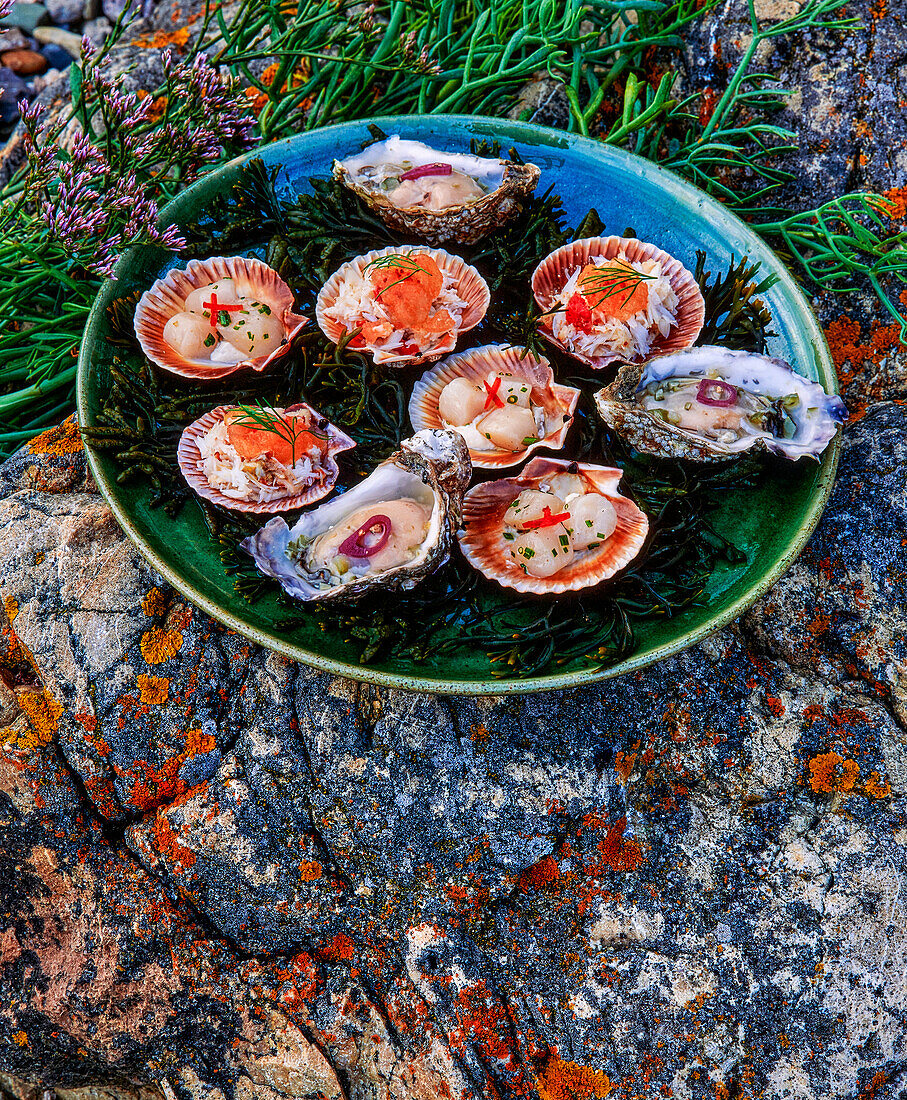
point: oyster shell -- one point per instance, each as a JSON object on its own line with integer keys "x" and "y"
{"x": 555, "y": 271}
{"x": 482, "y": 537}
{"x": 431, "y": 470}
{"x": 556, "y": 403}
{"x": 191, "y": 462}
{"x": 167, "y": 298}
{"x": 504, "y": 185}
{"x": 805, "y": 418}
{"x": 470, "y": 288}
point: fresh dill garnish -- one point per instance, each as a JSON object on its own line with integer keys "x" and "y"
{"x": 276, "y": 422}
{"x": 609, "y": 280}
{"x": 400, "y": 260}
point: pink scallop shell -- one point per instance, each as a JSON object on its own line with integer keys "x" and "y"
{"x": 554, "y": 271}
{"x": 471, "y": 287}
{"x": 189, "y": 457}
{"x": 167, "y": 298}
{"x": 557, "y": 401}
{"x": 483, "y": 524}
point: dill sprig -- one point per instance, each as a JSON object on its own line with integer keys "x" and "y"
{"x": 402, "y": 260}
{"x": 276, "y": 422}
{"x": 609, "y": 280}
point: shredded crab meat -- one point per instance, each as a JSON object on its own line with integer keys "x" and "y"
{"x": 255, "y": 480}
{"x": 356, "y": 306}
{"x": 630, "y": 339}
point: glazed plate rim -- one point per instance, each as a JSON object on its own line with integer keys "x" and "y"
{"x": 528, "y": 134}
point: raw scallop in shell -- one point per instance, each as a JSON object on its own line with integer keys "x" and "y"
{"x": 230, "y": 459}
{"x": 408, "y": 304}
{"x": 435, "y": 195}
{"x": 558, "y": 526}
{"x": 390, "y": 531}
{"x": 616, "y": 298}
{"x": 708, "y": 404}
{"x": 253, "y": 325}
{"x": 505, "y": 404}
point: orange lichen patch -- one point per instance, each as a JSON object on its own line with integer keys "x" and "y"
{"x": 876, "y": 787}
{"x": 154, "y": 603}
{"x": 340, "y": 947}
{"x": 298, "y": 77}
{"x": 43, "y": 713}
{"x": 620, "y": 854}
{"x": 830, "y": 772}
{"x": 20, "y": 1038}
{"x": 151, "y": 787}
{"x": 64, "y": 439}
{"x": 160, "y": 39}
{"x": 708, "y": 101}
{"x": 153, "y": 690}
{"x": 169, "y": 845}
{"x": 158, "y": 645}
{"x": 158, "y": 108}
{"x": 309, "y": 871}
{"x": 479, "y": 733}
{"x": 562, "y": 1080}
{"x": 896, "y": 203}
{"x": 540, "y": 874}
{"x": 11, "y": 606}
{"x": 852, "y": 350}
{"x": 624, "y": 762}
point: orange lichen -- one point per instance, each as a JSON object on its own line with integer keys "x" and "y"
{"x": 851, "y": 351}
{"x": 340, "y": 947}
{"x": 563, "y": 1080}
{"x": 154, "y": 603}
{"x": 309, "y": 871}
{"x": 20, "y": 1038}
{"x": 64, "y": 439}
{"x": 540, "y": 874}
{"x": 158, "y": 645}
{"x": 43, "y": 713}
{"x": 479, "y": 733}
{"x": 161, "y": 39}
{"x": 830, "y": 772}
{"x": 153, "y": 786}
{"x": 617, "y": 853}
{"x": 624, "y": 762}
{"x": 876, "y": 787}
{"x": 168, "y": 844}
{"x": 153, "y": 690}
{"x": 11, "y": 606}
{"x": 896, "y": 203}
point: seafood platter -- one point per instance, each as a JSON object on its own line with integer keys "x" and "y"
{"x": 547, "y": 406}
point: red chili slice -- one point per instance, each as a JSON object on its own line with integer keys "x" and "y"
{"x": 215, "y": 307}
{"x": 492, "y": 401}
{"x": 546, "y": 520}
{"x": 717, "y": 393}
{"x": 579, "y": 314}
{"x": 366, "y": 541}
{"x": 427, "y": 170}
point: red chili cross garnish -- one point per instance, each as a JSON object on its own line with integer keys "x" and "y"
{"x": 214, "y": 305}
{"x": 547, "y": 520}
{"x": 492, "y": 400}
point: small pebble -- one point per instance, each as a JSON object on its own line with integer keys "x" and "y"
{"x": 12, "y": 89}
{"x": 64, "y": 11}
{"x": 25, "y": 16}
{"x": 50, "y": 77}
{"x": 113, "y": 9}
{"x": 70, "y": 42}
{"x": 23, "y": 62}
{"x": 57, "y": 57}
{"x": 14, "y": 39}
{"x": 91, "y": 9}
{"x": 97, "y": 29}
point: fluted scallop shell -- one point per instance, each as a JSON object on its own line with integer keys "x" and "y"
{"x": 559, "y": 402}
{"x": 471, "y": 287}
{"x": 167, "y": 298}
{"x": 553, "y": 272}
{"x": 483, "y": 524}
{"x": 190, "y": 461}
{"x": 817, "y": 416}
{"x": 432, "y": 464}
{"x": 464, "y": 223}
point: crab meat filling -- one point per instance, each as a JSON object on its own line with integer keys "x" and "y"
{"x": 371, "y": 540}
{"x": 495, "y": 414}
{"x": 715, "y": 409}
{"x": 544, "y": 531}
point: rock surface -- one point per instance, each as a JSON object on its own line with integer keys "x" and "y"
{"x": 228, "y": 876}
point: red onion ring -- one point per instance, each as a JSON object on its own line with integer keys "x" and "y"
{"x": 355, "y": 546}
{"x": 705, "y": 395}
{"x": 427, "y": 170}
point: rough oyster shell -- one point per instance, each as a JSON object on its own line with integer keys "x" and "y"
{"x": 558, "y": 401}
{"x": 168, "y": 295}
{"x": 189, "y": 458}
{"x": 465, "y": 223}
{"x": 817, "y": 416}
{"x": 432, "y": 464}
{"x": 483, "y": 524}
{"x": 471, "y": 287}
{"x": 552, "y": 273}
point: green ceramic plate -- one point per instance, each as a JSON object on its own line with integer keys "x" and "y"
{"x": 771, "y": 524}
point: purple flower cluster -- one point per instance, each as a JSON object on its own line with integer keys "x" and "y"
{"x": 101, "y": 197}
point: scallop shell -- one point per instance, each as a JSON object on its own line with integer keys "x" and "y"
{"x": 168, "y": 295}
{"x": 558, "y": 401}
{"x": 817, "y": 416}
{"x": 554, "y": 271}
{"x": 190, "y": 459}
{"x": 471, "y": 287}
{"x": 465, "y": 223}
{"x": 483, "y": 523}
{"x": 431, "y": 463}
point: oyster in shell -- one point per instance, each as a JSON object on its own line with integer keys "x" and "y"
{"x": 711, "y": 403}
{"x": 391, "y": 530}
{"x": 463, "y": 199}
{"x": 505, "y": 404}
{"x": 558, "y": 526}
